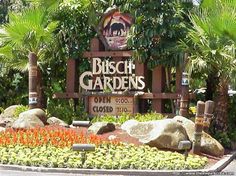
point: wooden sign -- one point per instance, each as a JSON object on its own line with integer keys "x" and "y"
{"x": 114, "y": 28}
{"x": 109, "y": 75}
{"x": 112, "y": 105}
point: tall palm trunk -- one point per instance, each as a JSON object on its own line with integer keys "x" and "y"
{"x": 211, "y": 83}
{"x": 35, "y": 81}
{"x": 222, "y": 104}
{"x": 41, "y": 103}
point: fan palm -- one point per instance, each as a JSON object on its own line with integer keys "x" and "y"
{"x": 211, "y": 43}
{"x": 27, "y": 32}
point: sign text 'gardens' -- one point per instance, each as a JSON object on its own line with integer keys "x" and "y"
{"x": 111, "y": 75}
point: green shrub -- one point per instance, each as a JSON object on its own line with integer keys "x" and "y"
{"x": 104, "y": 157}
{"x": 223, "y": 138}
{"x": 19, "y": 110}
{"x": 64, "y": 110}
{"x": 124, "y": 117}
{"x": 149, "y": 117}
{"x": 1, "y": 110}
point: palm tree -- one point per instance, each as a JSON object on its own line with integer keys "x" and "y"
{"x": 211, "y": 43}
{"x": 27, "y": 34}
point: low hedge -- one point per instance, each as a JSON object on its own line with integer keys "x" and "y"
{"x": 105, "y": 157}
{"x": 124, "y": 117}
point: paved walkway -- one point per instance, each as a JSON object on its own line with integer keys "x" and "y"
{"x": 21, "y": 173}
{"x": 229, "y": 170}
{"x": 231, "y": 167}
{"x": 27, "y": 173}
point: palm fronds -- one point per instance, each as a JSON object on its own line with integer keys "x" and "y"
{"x": 211, "y": 41}
{"x": 26, "y": 32}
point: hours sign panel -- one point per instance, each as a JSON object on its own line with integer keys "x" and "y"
{"x": 112, "y": 105}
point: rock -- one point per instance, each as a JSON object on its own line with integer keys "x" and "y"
{"x": 72, "y": 126}
{"x": 9, "y": 112}
{"x": 2, "y": 129}
{"x": 6, "y": 122}
{"x": 7, "y": 117}
{"x": 112, "y": 137}
{"x": 209, "y": 145}
{"x": 166, "y": 133}
{"x": 37, "y": 112}
{"x": 126, "y": 126}
{"x": 101, "y": 127}
{"x": 56, "y": 121}
{"x": 189, "y": 126}
{"x": 27, "y": 121}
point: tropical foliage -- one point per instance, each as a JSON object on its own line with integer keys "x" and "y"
{"x": 211, "y": 44}
{"x": 63, "y": 29}
{"x": 25, "y": 32}
{"x": 157, "y": 29}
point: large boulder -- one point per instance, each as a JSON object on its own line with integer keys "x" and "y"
{"x": 165, "y": 134}
{"x": 36, "y": 112}
{"x": 209, "y": 145}
{"x": 101, "y": 127}
{"x": 6, "y": 122}
{"x": 27, "y": 121}
{"x": 56, "y": 121}
{"x": 126, "y": 126}
{"x": 189, "y": 126}
{"x": 9, "y": 112}
{"x": 7, "y": 117}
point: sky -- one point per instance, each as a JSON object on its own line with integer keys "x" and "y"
{"x": 195, "y": 2}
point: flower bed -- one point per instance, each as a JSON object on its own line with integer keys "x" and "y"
{"x": 50, "y": 135}
{"x": 51, "y": 147}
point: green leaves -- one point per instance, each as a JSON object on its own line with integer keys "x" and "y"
{"x": 157, "y": 29}
{"x": 105, "y": 157}
{"x": 124, "y": 117}
{"x": 211, "y": 40}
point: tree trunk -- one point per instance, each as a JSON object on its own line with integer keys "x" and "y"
{"x": 35, "y": 82}
{"x": 222, "y": 104}
{"x": 40, "y": 91}
{"x": 33, "y": 73}
{"x": 211, "y": 83}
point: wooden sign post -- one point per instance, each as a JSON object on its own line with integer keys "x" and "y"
{"x": 198, "y": 127}
{"x": 184, "y": 101}
{"x": 208, "y": 115}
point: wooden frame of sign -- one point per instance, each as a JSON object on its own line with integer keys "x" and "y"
{"x": 157, "y": 96}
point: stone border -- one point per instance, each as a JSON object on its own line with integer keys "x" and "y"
{"x": 219, "y": 166}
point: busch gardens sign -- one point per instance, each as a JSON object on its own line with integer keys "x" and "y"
{"x": 111, "y": 75}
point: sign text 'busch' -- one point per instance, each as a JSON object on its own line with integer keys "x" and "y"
{"x": 112, "y": 75}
